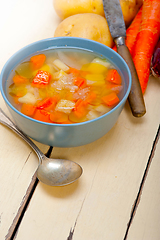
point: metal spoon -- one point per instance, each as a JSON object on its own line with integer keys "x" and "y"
{"x": 53, "y": 172}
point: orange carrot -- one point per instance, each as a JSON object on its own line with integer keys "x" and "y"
{"x": 41, "y": 79}
{"x": 113, "y": 76}
{"x": 28, "y": 109}
{"x": 42, "y": 115}
{"x": 37, "y": 61}
{"x": 80, "y": 108}
{"x": 58, "y": 117}
{"x": 91, "y": 97}
{"x": 80, "y": 82}
{"x": 15, "y": 98}
{"x": 74, "y": 71}
{"x": 132, "y": 31}
{"x": 45, "y": 103}
{"x": 17, "y": 79}
{"x": 146, "y": 40}
{"x": 110, "y": 99}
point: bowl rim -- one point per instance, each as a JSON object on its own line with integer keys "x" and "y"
{"x": 86, "y": 48}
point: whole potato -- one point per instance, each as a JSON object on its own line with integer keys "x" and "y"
{"x": 86, "y": 25}
{"x": 66, "y": 8}
{"x": 130, "y": 9}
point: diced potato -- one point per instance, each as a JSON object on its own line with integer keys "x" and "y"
{"x": 94, "y": 68}
{"x": 44, "y": 68}
{"x": 59, "y": 64}
{"x": 102, "y": 62}
{"x": 59, "y": 74}
{"x": 28, "y": 98}
{"x": 102, "y": 109}
{"x": 95, "y": 79}
{"x": 65, "y": 106}
{"x": 92, "y": 115}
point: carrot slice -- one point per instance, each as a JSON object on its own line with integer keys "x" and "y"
{"x": 17, "y": 79}
{"x": 42, "y": 115}
{"x": 80, "y": 109}
{"x": 46, "y": 103}
{"x": 91, "y": 97}
{"x": 80, "y": 82}
{"x": 110, "y": 99}
{"x": 113, "y": 76}
{"x": 37, "y": 61}
{"x": 41, "y": 79}
{"x": 58, "y": 117}
{"x": 74, "y": 71}
{"x": 28, "y": 109}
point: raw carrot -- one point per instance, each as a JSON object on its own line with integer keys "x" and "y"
{"x": 37, "y": 61}
{"x": 146, "y": 40}
{"x": 110, "y": 99}
{"x": 17, "y": 79}
{"x": 41, "y": 79}
{"x": 113, "y": 76}
{"x": 132, "y": 31}
{"x": 28, "y": 109}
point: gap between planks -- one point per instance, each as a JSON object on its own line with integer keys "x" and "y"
{"x": 25, "y": 202}
{"x": 137, "y": 200}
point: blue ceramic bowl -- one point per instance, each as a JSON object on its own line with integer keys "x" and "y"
{"x": 66, "y": 135}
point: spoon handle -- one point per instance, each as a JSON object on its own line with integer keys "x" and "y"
{"x": 4, "y": 119}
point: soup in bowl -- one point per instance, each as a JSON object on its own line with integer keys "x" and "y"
{"x": 65, "y": 91}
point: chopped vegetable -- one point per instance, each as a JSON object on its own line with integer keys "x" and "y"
{"x": 42, "y": 115}
{"x": 28, "y": 109}
{"x": 45, "y": 103}
{"x": 58, "y": 117}
{"x": 59, "y": 64}
{"x": 110, "y": 99}
{"x": 41, "y": 79}
{"x": 28, "y": 98}
{"x": 37, "y": 61}
{"x": 65, "y": 106}
{"x": 17, "y": 79}
{"x": 80, "y": 82}
{"x": 113, "y": 77}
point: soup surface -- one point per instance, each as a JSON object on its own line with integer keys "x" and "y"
{"x": 65, "y": 86}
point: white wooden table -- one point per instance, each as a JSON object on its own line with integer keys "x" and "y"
{"x": 118, "y": 195}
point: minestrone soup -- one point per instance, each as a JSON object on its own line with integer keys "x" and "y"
{"x": 65, "y": 86}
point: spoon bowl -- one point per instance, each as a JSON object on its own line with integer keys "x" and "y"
{"x": 53, "y": 172}
{"x": 58, "y": 172}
